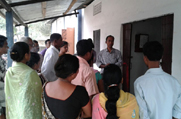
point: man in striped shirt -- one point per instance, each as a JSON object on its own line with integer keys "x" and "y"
{"x": 109, "y": 55}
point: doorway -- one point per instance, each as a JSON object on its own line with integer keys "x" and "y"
{"x": 159, "y": 29}
{"x": 96, "y": 40}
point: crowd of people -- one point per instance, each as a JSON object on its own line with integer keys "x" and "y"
{"x": 53, "y": 84}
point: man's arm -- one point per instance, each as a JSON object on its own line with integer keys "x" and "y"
{"x": 103, "y": 66}
{"x": 143, "y": 110}
{"x": 99, "y": 62}
{"x": 47, "y": 68}
{"x": 2, "y": 100}
{"x": 176, "y": 112}
{"x": 119, "y": 60}
{"x": 91, "y": 85}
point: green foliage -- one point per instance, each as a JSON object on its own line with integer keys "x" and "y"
{"x": 36, "y": 30}
{"x": 2, "y": 24}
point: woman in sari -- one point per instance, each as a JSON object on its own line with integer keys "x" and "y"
{"x": 114, "y": 103}
{"x": 22, "y": 86}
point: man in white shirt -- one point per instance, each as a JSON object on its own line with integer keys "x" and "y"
{"x": 158, "y": 94}
{"x": 51, "y": 57}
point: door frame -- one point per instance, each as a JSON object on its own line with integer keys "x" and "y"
{"x": 167, "y": 41}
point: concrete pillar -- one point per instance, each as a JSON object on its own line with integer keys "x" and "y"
{"x": 26, "y": 31}
{"x": 80, "y": 25}
{"x": 9, "y": 34}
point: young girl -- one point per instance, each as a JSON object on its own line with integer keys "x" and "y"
{"x": 34, "y": 63}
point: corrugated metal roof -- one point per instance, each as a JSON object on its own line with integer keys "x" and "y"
{"x": 52, "y": 8}
{"x": 14, "y": 1}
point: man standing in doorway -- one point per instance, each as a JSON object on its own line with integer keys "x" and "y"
{"x": 158, "y": 94}
{"x": 109, "y": 55}
{"x": 3, "y": 50}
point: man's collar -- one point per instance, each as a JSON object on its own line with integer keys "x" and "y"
{"x": 82, "y": 60}
{"x": 53, "y": 47}
{"x": 111, "y": 50}
{"x": 154, "y": 70}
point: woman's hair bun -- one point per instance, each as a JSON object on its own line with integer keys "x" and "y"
{"x": 14, "y": 55}
{"x": 18, "y": 51}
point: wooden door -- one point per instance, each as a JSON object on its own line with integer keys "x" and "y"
{"x": 64, "y": 34}
{"x": 68, "y": 35}
{"x": 167, "y": 38}
{"x": 126, "y": 56}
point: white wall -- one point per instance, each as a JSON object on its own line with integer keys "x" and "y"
{"x": 117, "y": 12}
{"x": 54, "y": 27}
{"x": 64, "y": 23}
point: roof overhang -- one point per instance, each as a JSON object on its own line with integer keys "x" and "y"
{"x": 31, "y": 11}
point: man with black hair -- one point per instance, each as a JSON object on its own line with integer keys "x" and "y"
{"x": 93, "y": 51}
{"x": 51, "y": 57}
{"x": 3, "y": 50}
{"x": 158, "y": 94}
{"x": 47, "y": 44}
{"x": 85, "y": 76}
{"x": 109, "y": 55}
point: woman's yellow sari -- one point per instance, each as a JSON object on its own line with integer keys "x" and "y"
{"x": 127, "y": 107}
